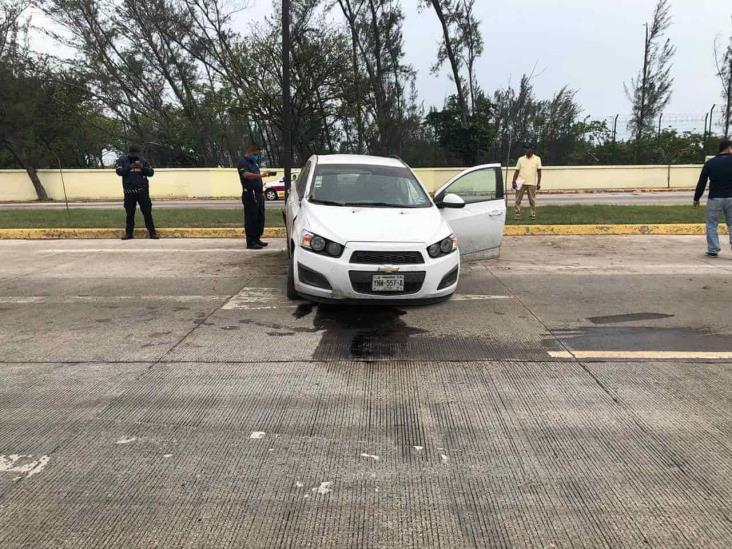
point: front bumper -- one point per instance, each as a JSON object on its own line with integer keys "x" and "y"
{"x": 349, "y": 281}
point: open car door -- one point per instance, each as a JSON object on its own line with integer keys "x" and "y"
{"x": 473, "y": 204}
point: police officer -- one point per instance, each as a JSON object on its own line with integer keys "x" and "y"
{"x": 252, "y": 196}
{"x": 135, "y": 171}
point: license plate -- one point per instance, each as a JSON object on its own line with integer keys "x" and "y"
{"x": 387, "y": 283}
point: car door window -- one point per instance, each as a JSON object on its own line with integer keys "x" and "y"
{"x": 302, "y": 180}
{"x": 477, "y": 186}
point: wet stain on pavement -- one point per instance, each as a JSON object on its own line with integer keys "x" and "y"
{"x": 303, "y": 310}
{"x": 362, "y": 332}
{"x": 274, "y": 326}
{"x": 643, "y": 338}
{"x": 633, "y": 317}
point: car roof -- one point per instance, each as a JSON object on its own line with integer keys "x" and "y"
{"x": 361, "y": 159}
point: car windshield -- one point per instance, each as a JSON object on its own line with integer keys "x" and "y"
{"x": 367, "y": 186}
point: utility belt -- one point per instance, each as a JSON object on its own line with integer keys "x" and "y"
{"x": 136, "y": 190}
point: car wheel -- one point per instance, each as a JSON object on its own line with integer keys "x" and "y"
{"x": 270, "y": 195}
{"x": 291, "y": 293}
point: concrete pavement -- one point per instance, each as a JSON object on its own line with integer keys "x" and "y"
{"x": 611, "y": 198}
{"x": 166, "y": 393}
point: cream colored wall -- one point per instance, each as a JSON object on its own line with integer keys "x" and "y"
{"x": 224, "y": 183}
{"x": 571, "y": 178}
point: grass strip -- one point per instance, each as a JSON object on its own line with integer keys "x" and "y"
{"x": 208, "y": 217}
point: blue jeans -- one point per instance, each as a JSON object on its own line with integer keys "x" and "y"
{"x": 715, "y": 207}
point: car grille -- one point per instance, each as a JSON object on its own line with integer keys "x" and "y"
{"x": 387, "y": 258}
{"x": 361, "y": 282}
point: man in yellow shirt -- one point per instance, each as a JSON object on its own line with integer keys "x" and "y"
{"x": 527, "y": 180}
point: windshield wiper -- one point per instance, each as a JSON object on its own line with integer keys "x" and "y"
{"x": 378, "y": 205}
{"x": 325, "y": 202}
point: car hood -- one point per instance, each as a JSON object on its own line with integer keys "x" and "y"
{"x": 353, "y": 224}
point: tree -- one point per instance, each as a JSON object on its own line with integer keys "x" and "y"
{"x": 472, "y": 43}
{"x": 449, "y": 13}
{"x": 650, "y": 91}
{"x": 382, "y": 95}
{"x": 724, "y": 72}
{"x": 462, "y": 145}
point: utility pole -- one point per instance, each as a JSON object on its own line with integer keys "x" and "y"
{"x": 711, "y": 116}
{"x": 660, "y": 119}
{"x": 286, "y": 97}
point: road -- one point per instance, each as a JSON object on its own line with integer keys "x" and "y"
{"x": 619, "y": 198}
{"x": 575, "y": 392}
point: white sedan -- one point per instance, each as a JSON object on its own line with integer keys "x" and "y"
{"x": 364, "y": 229}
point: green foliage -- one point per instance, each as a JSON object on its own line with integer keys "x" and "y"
{"x": 48, "y": 118}
{"x": 464, "y": 145}
{"x": 176, "y": 77}
{"x": 650, "y": 90}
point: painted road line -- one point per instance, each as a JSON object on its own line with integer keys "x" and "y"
{"x": 644, "y": 355}
{"x": 669, "y": 229}
{"x": 161, "y": 251}
{"x": 71, "y": 299}
{"x": 477, "y": 297}
{"x": 259, "y": 297}
{"x": 112, "y": 233}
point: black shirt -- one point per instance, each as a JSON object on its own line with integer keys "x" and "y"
{"x": 248, "y": 165}
{"x": 719, "y": 171}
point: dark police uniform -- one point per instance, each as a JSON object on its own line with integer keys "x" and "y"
{"x": 137, "y": 191}
{"x": 253, "y": 199}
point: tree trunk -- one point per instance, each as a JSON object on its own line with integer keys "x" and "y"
{"x": 30, "y": 170}
{"x": 348, "y": 12}
{"x": 453, "y": 62}
{"x": 357, "y": 88}
{"x": 37, "y": 185}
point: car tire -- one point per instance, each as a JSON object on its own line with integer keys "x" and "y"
{"x": 270, "y": 195}
{"x": 291, "y": 292}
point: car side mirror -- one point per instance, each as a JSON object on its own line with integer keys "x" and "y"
{"x": 451, "y": 200}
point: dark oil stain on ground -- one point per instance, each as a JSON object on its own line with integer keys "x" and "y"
{"x": 303, "y": 310}
{"x": 361, "y": 332}
{"x": 642, "y": 338}
{"x": 632, "y": 317}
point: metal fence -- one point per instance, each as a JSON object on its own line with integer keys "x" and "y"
{"x": 706, "y": 123}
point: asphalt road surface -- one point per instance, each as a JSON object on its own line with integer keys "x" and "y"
{"x": 575, "y": 392}
{"x": 612, "y": 198}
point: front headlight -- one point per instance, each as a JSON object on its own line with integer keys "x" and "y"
{"x": 319, "y": 245}
{"x": 443, "y": 247}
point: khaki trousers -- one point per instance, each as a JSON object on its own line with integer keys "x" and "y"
{"x": 531, "y": 191}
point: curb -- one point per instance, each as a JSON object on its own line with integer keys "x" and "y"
{"x": 670, "y": 229}
{"x": 109, "y": 233}
{"x": 279, "y": 232}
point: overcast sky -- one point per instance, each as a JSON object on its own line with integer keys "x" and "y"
{"x": 591, "y": 45}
